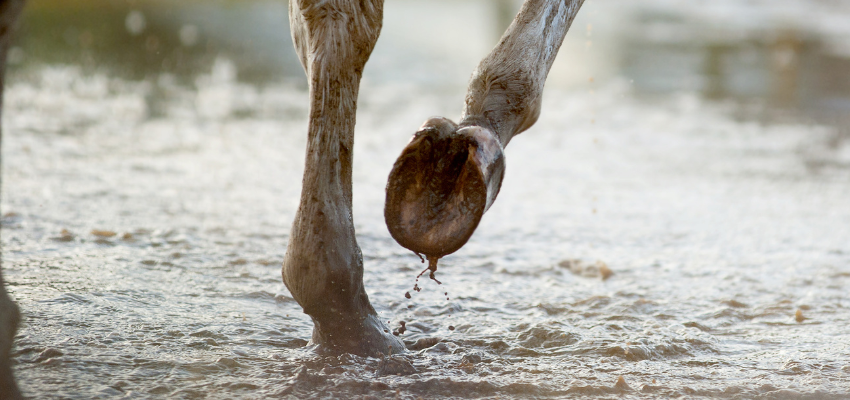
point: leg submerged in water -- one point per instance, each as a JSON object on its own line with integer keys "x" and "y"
{"x": 449, "y": 174}
{"x": 9, "y": 313}
{"x": 323, "y": 267}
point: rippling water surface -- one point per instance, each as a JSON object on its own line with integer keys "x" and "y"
{"x": 693, "y": 247}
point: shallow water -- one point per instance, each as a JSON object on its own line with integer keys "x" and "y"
{"x": 727, "y": 236}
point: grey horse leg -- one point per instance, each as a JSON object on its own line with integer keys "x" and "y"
{"x": 323, "y": 267}
{"x": 9, "y": 314}
{"x": 449, "y": 174}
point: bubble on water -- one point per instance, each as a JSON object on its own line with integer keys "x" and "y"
{"x": 189, "y": 35}
{"x": 135, "y": 22}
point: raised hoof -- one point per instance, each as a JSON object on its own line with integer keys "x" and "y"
{"x": 441, "y": 185}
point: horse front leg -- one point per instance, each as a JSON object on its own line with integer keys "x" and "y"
{"x": 323, "y": 267}
{"x": 449, "y": 174}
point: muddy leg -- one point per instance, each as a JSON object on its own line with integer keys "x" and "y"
{"x": 9, "y": 314}
{"x": 449, "y": 175}
{"x": 323, "y": 267}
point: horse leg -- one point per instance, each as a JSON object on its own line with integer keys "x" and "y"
{"x": 448, "y": 175}
{"x": 9, "y": 314}
{"x": 323, "y": 267}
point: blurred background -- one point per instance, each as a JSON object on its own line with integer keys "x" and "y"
{"x": 787, "y": 59}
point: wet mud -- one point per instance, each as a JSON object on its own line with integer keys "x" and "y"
{"x": 431, "y": 270}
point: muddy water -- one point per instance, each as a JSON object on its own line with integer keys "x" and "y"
{"x": 690, "y": 246}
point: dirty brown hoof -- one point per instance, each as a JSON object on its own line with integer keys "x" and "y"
{"x": 441, "y": 185}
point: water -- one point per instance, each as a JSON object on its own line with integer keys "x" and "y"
{"x": 723, "y": 216}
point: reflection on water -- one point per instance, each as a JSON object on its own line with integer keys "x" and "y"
{"x": 135, "y": 39}
{"x": 793, "y": 55}
{"x": 787, "y": 62}
{"x": 180, "y": 128}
